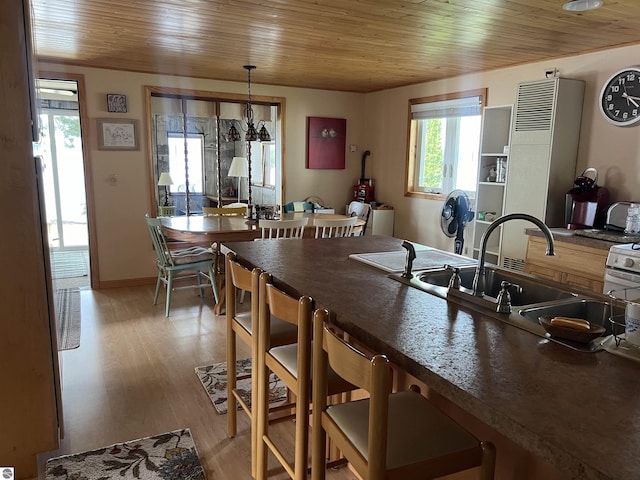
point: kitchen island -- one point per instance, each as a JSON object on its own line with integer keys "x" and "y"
{"x": 580, "y": 412}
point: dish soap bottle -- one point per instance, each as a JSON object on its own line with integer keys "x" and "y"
{"x": 632, "y": 226}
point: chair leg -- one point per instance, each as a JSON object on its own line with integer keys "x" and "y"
{"x": 260, "y": 409}
{"x": 155, "y": 297}
{"x": 214, "y": 286}
{"x": 487, "y": 469}
{"x": 199, "y": 277}
{"x": 231, "y": 384}
{"x": 302, "y": 434}
{"x": 169, "y": 289}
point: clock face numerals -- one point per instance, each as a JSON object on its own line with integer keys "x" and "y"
{"x": 620, "y": 97}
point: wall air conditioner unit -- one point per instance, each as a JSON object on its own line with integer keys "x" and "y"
{"x": 542, "y": 158}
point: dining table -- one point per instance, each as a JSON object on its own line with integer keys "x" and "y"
{"x": 552, "y": 412}
{"x": 208, "y": 230}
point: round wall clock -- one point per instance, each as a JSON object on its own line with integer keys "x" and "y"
{"x": 620, "y": 97}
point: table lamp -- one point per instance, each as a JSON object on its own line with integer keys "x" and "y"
{"x": 164, "y": 181}
{"x": 239, "y": 168}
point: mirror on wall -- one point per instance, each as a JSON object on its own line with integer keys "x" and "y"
{"x": 187, "y": 134}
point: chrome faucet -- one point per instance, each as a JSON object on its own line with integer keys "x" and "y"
{"x": 411, "y": 256}
{"x": 479, "y": 277}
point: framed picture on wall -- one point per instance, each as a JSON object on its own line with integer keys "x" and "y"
{"x": 116, "y": 103}
{"x": 117, "y": 134}
{"x": 326, "y": 142}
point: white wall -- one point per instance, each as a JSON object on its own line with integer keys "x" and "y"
{"x": 124, "y": 246}
{"x": 613, "y": 151}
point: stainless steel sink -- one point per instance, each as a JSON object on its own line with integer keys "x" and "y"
{"x": 532, "y": 290}
{"x": 593, "y": 311}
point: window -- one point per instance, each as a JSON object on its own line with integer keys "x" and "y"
{"x": 444, "y": 137}
{"x": 195, "y": 148}
{"x": 269, "y": 163}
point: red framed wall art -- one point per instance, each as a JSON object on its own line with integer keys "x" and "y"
{"x": 326, "y": 142}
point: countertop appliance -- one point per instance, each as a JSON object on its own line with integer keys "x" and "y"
{"x": 586, "y": 203}
{"x": 622, "y": 268}
{"x": 617, "y": 216}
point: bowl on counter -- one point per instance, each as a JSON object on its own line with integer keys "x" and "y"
{"x": 580, "y": 336}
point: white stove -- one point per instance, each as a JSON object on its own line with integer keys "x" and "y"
{"x": 622, "y": 267}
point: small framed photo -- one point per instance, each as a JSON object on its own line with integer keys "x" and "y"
{"x": 116, "y": 103}
{"x": 117, "y": 134}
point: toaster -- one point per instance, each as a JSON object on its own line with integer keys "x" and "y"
{"x": 617, "y": 216}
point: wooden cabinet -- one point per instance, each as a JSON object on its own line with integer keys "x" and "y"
{"x": 490, "y": 188}
{"x": 573, "y": 264}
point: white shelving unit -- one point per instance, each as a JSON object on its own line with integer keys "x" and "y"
{"x": 490, "y": 194}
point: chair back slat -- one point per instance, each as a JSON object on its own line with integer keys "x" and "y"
{"x": 240, "y": 275}
{"x": 347, "y": 361}
{"x": 282, "y": 305}
{"x": 159, "y": 241}
{"x": 333, "y": 228}
{"x": 282, "y": 228}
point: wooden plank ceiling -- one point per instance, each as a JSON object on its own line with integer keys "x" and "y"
{"x": 350, "y": 45}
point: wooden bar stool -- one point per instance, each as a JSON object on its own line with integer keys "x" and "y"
{"x": 292, "y": 364}
{"x": 243, "y": 326}
{"x": 388, "y": 435}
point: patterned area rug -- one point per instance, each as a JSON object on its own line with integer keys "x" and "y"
{"x": 67, "y": 306}
{"x": 169, "y": 456}
{"x": 214, "y": 381}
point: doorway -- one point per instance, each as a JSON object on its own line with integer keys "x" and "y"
{"x": 63, "y": 173}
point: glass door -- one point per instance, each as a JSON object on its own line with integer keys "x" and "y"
{"x": 63, "y": 175}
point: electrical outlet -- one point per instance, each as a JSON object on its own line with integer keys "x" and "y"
{"x": 352, "y": 148}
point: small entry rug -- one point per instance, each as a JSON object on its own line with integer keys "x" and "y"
{"x": 168, "y": 456}
{"x": 214, "y": 381}
{"x": 69, "y": 263}
{"x": 67, "y": 306}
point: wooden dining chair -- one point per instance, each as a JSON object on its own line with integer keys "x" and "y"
{"x": 172, "y": 265}
{"x": 282, "y": 228}
{"x": 387, "y": 436}
{"x": 237, "y": 211}
{"x": 362, "y": 211}
{"x": 244, "y": 326}
{"x": 332, "y": 228}
{"x": 292, "y": 364}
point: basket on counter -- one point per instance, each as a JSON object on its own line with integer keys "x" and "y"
{"x": 623, "y": 300}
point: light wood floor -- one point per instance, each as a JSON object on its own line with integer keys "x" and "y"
{"x": 133, "y": 376}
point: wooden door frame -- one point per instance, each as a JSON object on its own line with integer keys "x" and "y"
{"x": 86, "y": 160}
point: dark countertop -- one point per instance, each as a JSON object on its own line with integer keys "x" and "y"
{"x": 578, "y": 411}
{"x": 601, "y": 239}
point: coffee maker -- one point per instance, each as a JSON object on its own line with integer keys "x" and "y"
{"x": 586, "y": 204}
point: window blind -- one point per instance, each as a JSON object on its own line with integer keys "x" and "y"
{"x": 457, "y": 107}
